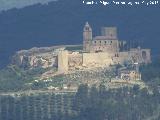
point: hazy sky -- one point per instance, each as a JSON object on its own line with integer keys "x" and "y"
{"x": 8, "y": 4}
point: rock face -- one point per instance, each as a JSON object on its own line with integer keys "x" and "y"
{"x": 37, "y": 57}
{"x": 44, "y": 57}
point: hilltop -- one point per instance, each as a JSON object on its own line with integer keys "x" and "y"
{"x": 16, "y": 77}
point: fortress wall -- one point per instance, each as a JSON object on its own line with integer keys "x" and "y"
{"x": 115, "y": 45}
{"x": 146, "y": 58}
{"x": 133, "y": 55}
{"x": 75, "y": 59}
{"x": 102, "y": 58}
{"x": 123, "y": 56}
{"x": 63, "y": 61}
{"x": 139, "y": 55}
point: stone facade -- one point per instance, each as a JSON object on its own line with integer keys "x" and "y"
{"x": 97, "y": 59}
{"x": 108, "y": 42}
{"x": 63, "y": 61}
{"x": 104, "y": 44}
{"x": 75, "y": 59}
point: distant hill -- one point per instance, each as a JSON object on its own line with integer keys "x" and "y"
{"x": 9, "y": 4}
{"x": 62, "y": 22}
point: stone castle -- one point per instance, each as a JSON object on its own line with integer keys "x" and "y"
{"x": 98, "y": 51}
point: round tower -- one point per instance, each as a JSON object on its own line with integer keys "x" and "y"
{"x": 87, "y": 37}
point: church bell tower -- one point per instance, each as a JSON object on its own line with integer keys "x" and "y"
{"x": 87, "y": 37}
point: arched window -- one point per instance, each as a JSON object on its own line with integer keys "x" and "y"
{"x": 87, "y": 28}
{"x": 144, "y": 54}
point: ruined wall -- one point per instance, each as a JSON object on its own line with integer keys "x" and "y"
{"x": 75, "y": 59}
{"x": 135, "y": 55}
{"x": 123, "y": 57}
{"x": 146, "y": 55}
{"x": 140, "y": 55}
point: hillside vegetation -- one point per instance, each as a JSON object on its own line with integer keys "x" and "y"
{"x": 87, "y": 104}
{"x": 14, "y": 78}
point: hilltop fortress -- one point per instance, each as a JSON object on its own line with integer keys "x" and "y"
{"x": 98, "y": 51}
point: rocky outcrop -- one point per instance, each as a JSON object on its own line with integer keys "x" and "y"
{"x": 37, "y": 57}
{"x": 44, "y": 57}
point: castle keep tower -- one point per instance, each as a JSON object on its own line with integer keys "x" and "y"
{"x": 87, "y": 37}
{"x": 110, "y": 32}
